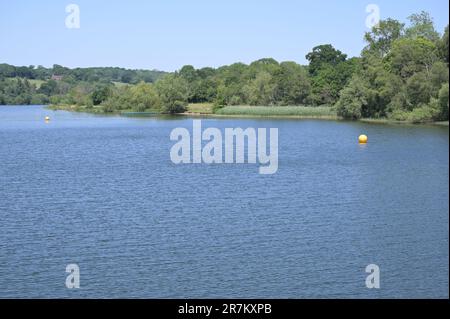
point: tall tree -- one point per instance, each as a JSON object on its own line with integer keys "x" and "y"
{"x": 293, "y": 85}
{"x": 173, "y": 92}
{"x": 324, "y": 55}
{"x": 382, "y": 35}
{"x": 422, "y": 26}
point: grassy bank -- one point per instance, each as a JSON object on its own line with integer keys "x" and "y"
{"x": 295, "y": 112}
{"x": 199, "y": 108}
{"x": 234, "y": 111}
{"x": 279, "y": 111}
{"x": 263, "y": 111}
{"x": 207, "y": 109}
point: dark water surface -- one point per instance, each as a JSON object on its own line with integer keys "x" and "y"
{"x": 103, "y": 193}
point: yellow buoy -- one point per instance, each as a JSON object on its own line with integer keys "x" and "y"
{"x": 362, "y": 139}
{"x": 47, "y": 118}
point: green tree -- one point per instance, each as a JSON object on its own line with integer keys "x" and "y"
{"x": 261, "y": 90}
{"x": 409, "y": 56}
{"x": 324, "y": 55}
{"x": 230, "y": 81}
{"x": 188, "y": 73}
{"x": 382, "y": 35}
{"x": 353, "y": 99}
{"x": 48, "y": 88}
{"x": 293, "y": 85}
{"x": 173, "y": 92}
{"x": 443, "y": 46}
{"x": 419, "y": 89}
{"x": 100, "y": 94}
{"x": 7, "y": 71}
{"x": 422, "y": 26}
{"x": 443, "y": 102}
{"x": 438, "y": 75}
{"x": 143, "y": 96}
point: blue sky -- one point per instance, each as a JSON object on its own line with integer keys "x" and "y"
{"x": 167, "y": 34}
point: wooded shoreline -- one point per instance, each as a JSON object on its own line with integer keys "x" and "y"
{"x": 206, "y": 111}
{"x": 401, "y": 75}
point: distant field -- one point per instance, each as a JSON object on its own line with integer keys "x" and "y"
{"x": 203, "y": 108}
{"x": 300, "y": 111}
{"x": 37, "y": 83}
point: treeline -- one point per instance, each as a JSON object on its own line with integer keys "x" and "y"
{"x": 98, "y": 74}
{"x": 263, "y": 82}
{"x": 402, "y": 74}
{"x": 40, "y": 85}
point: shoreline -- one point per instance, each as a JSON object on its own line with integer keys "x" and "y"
{"x": 188, "y": 113}
{"x": 311, "y": 117}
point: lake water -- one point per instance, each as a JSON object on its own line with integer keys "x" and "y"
{"x": 103, "y": 193}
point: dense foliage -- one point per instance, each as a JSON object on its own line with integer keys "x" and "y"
{"x": 108, "y": 74}
{"x": 402, "y": 74}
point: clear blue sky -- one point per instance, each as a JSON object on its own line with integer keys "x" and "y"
{"x": 167, "y": 34}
